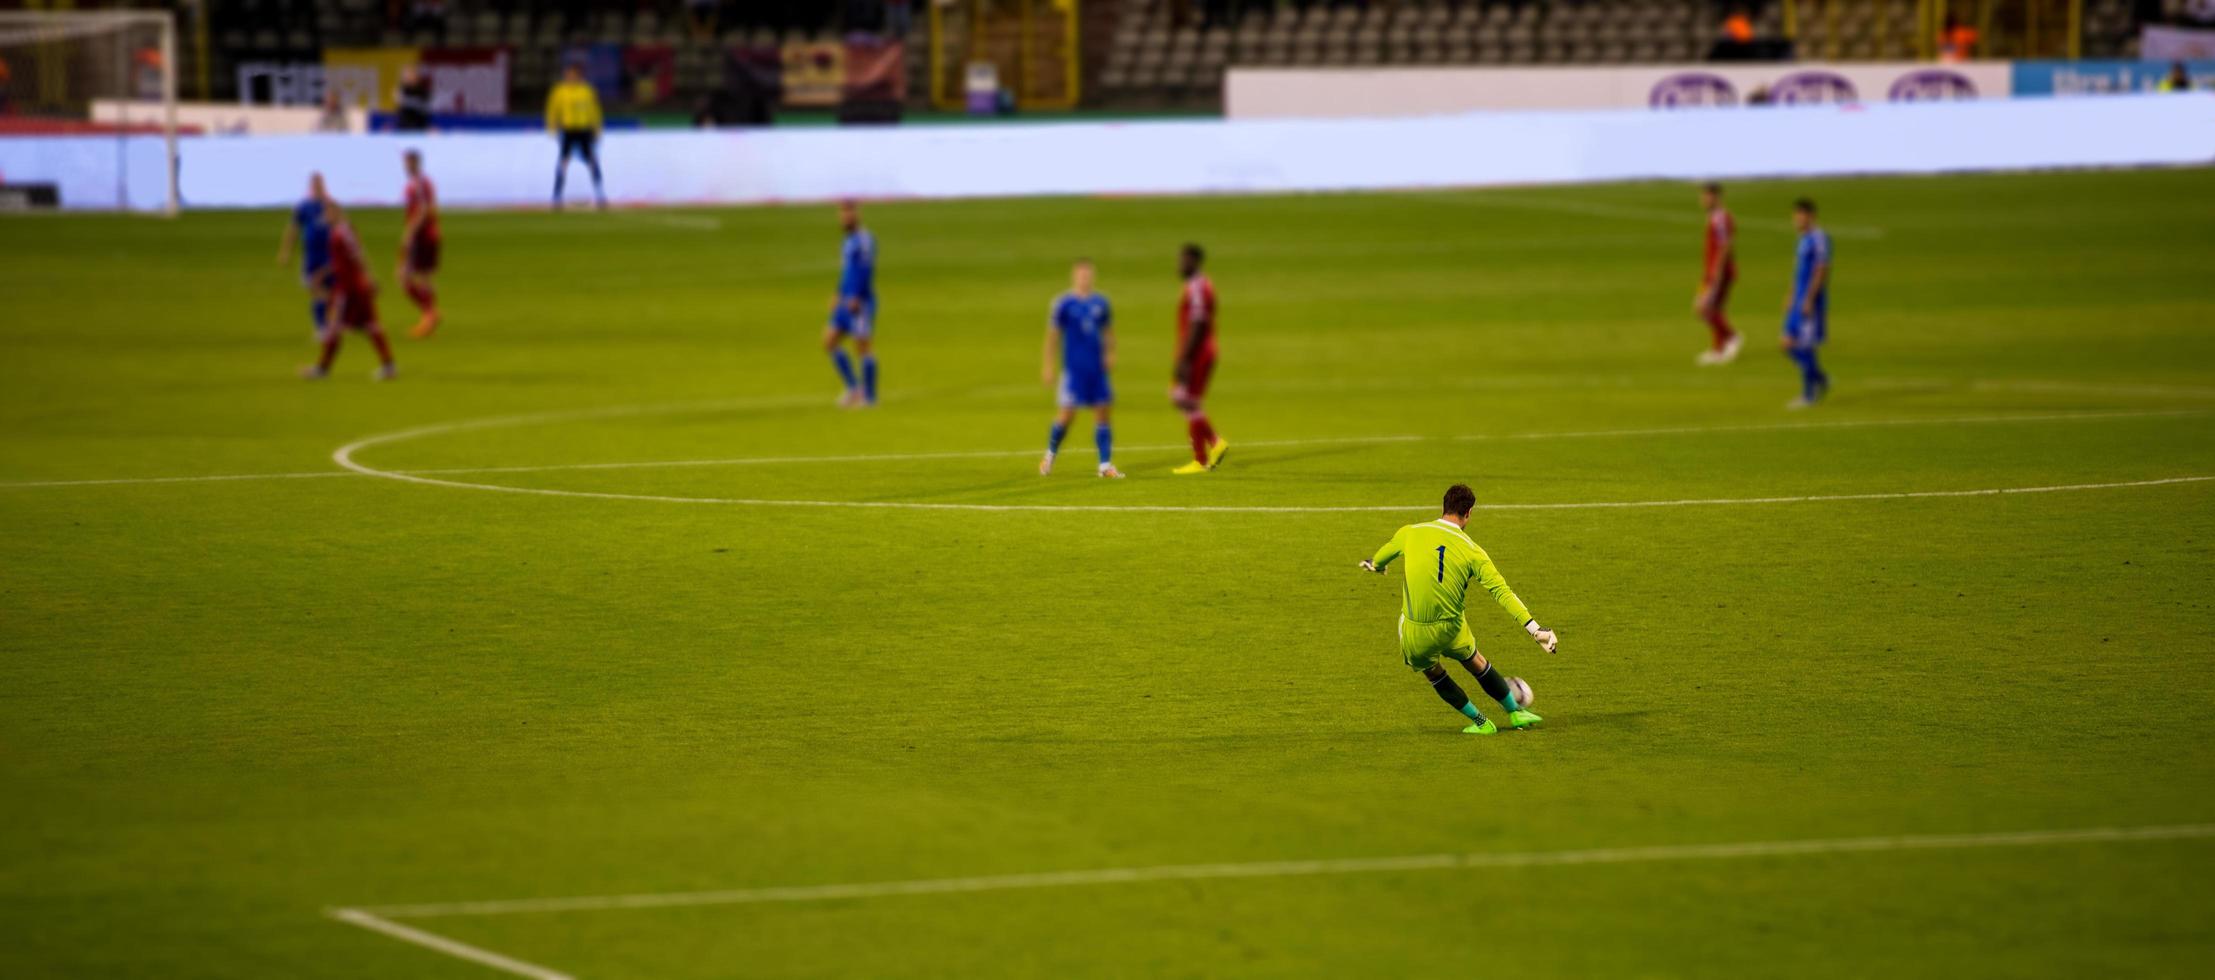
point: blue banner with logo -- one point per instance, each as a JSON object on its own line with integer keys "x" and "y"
{"x": 2032, "y": 78}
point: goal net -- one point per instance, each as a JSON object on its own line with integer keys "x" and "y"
{"x": 88, "y": 109}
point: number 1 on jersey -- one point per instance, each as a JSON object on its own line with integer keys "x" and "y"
{"x": 1441, "y": 563}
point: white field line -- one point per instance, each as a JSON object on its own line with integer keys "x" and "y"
{"x": 1322, "y": 441}
{"x": 514, "y": 420}
{"x": 1288, "y": 869}
{"x": 434, "y": 941}
{"x": 1688, "y": 216}
{"x": 688, "y": 222}
{"x": 1241, "y": 509}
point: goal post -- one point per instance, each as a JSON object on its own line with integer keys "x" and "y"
{"x": 101, "y": 74}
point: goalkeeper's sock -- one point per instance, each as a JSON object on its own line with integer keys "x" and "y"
{"x": 845, "y": 366}
{"x": 1495, "y": 686}
{"x": 1452, "y": 694}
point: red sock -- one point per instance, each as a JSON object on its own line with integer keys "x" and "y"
{"x": 1203, "y": 436}
{"x": 384, "y": 347}
{"x": 1719, "y": 325}
{"x": 426, "y": 298}
{"x": 331, "y": 337}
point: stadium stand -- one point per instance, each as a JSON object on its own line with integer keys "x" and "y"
{"x": 1168, "y": 52}
{"x": 1137, "y": 53}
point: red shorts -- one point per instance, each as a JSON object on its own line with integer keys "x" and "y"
{"x": 354, "y": 309}
{"x": 1723, "y": 283}
{"x": 1195, "y": 387}
{"x": 423, "y": 254}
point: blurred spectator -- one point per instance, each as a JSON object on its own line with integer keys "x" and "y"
{"x": 899, "y": 17}
{"x": 5, "y": 75}
{"x": 702, "y": 16}
{"x": 1957, "y": 41}
{"x": 2178, "y": 80}
{"x": 1735, "y": 41}
{"x": 411, "y": 101}
{"x": 427, "y": 15}
{"x": 1738, "y": 28}
{"x": 333, "y": 119}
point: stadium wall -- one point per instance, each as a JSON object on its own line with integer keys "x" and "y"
{"x": 1191, "y": 157}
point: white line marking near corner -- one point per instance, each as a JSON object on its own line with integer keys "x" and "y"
{"x": 1287, "y": 869}
{"x": 434, "y": 941}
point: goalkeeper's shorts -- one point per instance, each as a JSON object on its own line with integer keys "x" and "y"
{"x": 1421, "y": 644}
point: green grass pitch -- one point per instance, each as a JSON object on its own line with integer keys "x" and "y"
{"x": 228, "y": 706}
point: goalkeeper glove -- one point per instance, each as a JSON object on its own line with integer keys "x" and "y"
{"x": 1545, "y": 637}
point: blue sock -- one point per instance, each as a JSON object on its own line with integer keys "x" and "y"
{"x": 1053, "y": 438}
{"x": 869, "y": 376}
{"x": 845, "y": 367}
{"x": 1812, "y": 379}
{"x": 1104, "y": 438}
{"x": 319, "y": 307}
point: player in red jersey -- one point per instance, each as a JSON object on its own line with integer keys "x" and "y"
{"x": 419, "y": 245}
{"x": 353, "y": 300}
{"x": 1717, "y": 276}
{"x": 1196, "y": 361}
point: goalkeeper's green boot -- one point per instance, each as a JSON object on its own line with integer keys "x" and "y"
{"x": 1522, "y": 719}
{"x": 1484, "y": 726}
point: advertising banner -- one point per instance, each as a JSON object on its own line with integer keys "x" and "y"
{"x": 2036, "y": 78}
{"x": 603, "y": 69}
{"x": 1252, "y": 93}
{"x": 366, "y": 76}
{"x": 650, "y": 71}
{"x": 876, "y": 70}
{"x": 1179, "y": 157}
{"x": 281, "y": 78}
{"x": 2162, "y": 43}
{"x": 814, "y": 73}
{"x": 468, "y": 81}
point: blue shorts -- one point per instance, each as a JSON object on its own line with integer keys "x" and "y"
{"x": 1808, "y": 330}
{"x": 1084, "y": 390}
{"x": 860, "y": 326}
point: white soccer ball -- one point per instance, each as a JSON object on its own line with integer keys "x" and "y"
{"x": 1522, "y": 689}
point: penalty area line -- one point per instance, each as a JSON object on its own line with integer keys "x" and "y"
{"x": 441, "y": 944}
{"x": 1290, "y": 869}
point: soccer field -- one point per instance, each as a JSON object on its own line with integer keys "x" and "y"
{"x": 604, "y": 615}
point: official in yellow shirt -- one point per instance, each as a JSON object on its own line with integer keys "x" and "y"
{"x": 573, "y": 113}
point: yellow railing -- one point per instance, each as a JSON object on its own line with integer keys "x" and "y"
{"x": 1034, "y": 44}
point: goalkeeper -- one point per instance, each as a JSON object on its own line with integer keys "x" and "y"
{"x": 1440, "y": 562}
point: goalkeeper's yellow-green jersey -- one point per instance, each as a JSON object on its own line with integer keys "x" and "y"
{"x": 1440, "y": 562}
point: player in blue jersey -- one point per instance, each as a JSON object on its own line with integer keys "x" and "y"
{"x": 1807, "y": 313}
{"x": 310, "y": 226}
{"x": 1083, "y": 327}
{"x": 854, "y": 312}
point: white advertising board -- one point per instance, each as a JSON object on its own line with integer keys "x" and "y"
{"x": 225, "y": 118}
{"x": 1341, "y": 93}
{"x": 1197, "y": 157}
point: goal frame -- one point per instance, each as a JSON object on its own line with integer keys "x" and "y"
{"x": 69, "y": 24}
